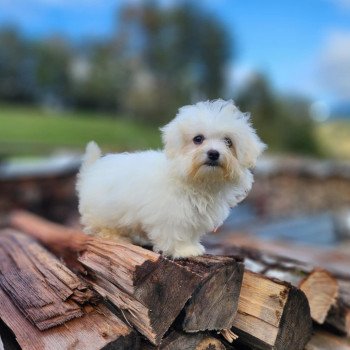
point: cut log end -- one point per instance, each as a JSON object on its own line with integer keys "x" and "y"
{"x": 296, "y": 325}
{"x": 272, "y": 314}
{"x": 214, "y": 303}
{"x": 321, "y": 290}
{"x": 151, "y": 290}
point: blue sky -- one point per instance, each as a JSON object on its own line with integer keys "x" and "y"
{"x": 303, "y": 45}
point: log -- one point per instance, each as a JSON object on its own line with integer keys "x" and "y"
{"x": 323, "y": 340}
{"x": 45, "y": 291}
{"x": 136, "y": 276}
{"x": 339, "y": 315}
{"x": 179, "y": 340}
{"x": 97, "y": 329}
{"x": 213, "y": 305}
{"x": 272, "y": 314}
{"x": 320, "y": 287}
{"x": 63, "y": 241}
{"x": 149, "y": 289}
{"x": 333, "y": 260}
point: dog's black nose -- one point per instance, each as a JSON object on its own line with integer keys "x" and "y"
{"x": 213, "y": 155}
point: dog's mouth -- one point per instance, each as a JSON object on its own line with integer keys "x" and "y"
{"x": 212, "y": 163}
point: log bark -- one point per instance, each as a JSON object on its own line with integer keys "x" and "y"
{"x": 272, "y": 314}
{"x": 339, "y": 315}
{"x": 213, "y": 306}
{"x": 97, "y": 329}
{"x": 149, "y": 289}
{"x": 45, "y": 291}
{"x": 323, "y": 340}
{"x": 179, "y": 340}
{"x": 320, "y": 286}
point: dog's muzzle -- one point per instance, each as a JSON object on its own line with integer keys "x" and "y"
{"x": 213, "y": 158}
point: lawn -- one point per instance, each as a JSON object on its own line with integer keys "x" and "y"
{"x": 34, "y": 131}
{"x": 334, "y": 138}
{"x": 30, "y": 130}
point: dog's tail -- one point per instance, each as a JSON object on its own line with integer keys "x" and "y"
{"x": 92, "y": 153}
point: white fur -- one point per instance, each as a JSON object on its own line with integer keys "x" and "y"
{"x": 171, "y": 196}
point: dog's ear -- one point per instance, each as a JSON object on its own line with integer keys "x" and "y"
{"x": 170, "y": 138}
{"x": 249, "y": 146}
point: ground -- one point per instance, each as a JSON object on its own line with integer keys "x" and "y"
{"x": 30, "y": 130}
{"x": 33, "y": 130}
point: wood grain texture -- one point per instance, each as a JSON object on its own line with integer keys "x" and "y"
{"x": 339, "y": 315}
{"x": 64, "y": 242}
{"x": 213, "y": 305}
{"x": 45, "y": 291}
{"x": 322, "y": 340}
{"x": 319, "y": 285}
{"x": 272, "y": 314}
{"x": 181, "y": 341}
{"x": 149, "y": 289}
{"x": 97, "y": 328}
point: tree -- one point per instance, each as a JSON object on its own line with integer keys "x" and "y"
{"x": 52, "y": 73}
{"x": 17, "y": 81}
{"x": 183, "y": 49}
{"x": 282, "y": 122}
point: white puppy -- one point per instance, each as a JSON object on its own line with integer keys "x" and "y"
{"x": 172, "y": 197}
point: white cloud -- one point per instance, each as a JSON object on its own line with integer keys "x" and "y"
{"x": 333, "y": 67}
{"x": 342, "y": 4}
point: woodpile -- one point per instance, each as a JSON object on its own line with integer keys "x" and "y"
{"x": 106, "y": 294}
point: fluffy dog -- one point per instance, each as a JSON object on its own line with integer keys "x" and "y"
{"x": 172, "y": 197}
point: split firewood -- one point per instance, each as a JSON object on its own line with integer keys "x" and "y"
{"x": 213, "y": 306}
{"x": 64, "y": 242}
{"x": 179, "y": 340}
{"x": 339, "y": 315}
{"x": 149, "y": 289}
{"x": 272, "y": 314}
{"x": 46, "y": 292}
{"x": 319, "y": 286}
{"x": 97, "y": 328}
{"x": 323, "y": 340}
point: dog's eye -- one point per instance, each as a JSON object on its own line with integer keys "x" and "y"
{"x": 228, "y": 142}
{"x": 198, "y": 139}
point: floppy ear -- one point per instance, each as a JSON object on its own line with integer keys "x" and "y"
{"x": 171, "y": 138}
{"x": 249, "y": 146}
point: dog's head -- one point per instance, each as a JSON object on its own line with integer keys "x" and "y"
{"x": 211, "y": 140}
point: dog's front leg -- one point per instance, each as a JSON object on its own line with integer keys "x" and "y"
{"x": 175, "y": 244}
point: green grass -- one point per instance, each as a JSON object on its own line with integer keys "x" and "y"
{"x": 334, "y": 138}
{"x": 30, "y": 130}
{"x": 35, "y": 131}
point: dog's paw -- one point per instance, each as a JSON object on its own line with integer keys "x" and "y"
{"x": 185, "y": 251}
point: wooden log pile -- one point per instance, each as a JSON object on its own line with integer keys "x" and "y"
{"x": 121, "y": 296}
